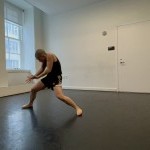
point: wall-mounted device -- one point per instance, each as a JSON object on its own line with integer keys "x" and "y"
{"x": 111, "y": 48}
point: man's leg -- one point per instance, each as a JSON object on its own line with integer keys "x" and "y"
{"x": 59, "y": 94}
{"x": 37, "y": 87}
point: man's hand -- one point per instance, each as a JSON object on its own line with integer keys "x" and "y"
{"x": 30, "y": 78}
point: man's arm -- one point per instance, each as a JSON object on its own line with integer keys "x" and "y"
{"x": 48, "y": 67}
{"x": 39, "y": 71}
{"x": 31, "y": 77}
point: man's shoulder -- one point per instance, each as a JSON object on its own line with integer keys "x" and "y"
{"x": 50, "y": 56}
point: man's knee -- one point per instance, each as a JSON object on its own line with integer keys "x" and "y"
{"x": 34, "y": 90}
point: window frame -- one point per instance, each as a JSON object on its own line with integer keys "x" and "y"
{"x": 20, "y": 36}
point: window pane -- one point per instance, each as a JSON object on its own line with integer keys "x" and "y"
{"x": 12, "y": 30}
{"x": 14, "y": 61}
{"x": 14, "y": 46}
{"x": 16, "y": 32}
{"x": 14, "y": 57}
{"x": 6, "y": 44}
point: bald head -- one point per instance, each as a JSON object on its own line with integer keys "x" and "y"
{"x": 40, "y": 55}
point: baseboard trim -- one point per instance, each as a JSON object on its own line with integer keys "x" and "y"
{"x": 90, "y": 88}
{"x": 13, "y": 90}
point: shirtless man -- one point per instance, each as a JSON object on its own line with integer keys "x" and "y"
{"x": 51, "y": 69}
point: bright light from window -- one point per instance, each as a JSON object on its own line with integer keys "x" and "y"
{"x": 13, "y": 44}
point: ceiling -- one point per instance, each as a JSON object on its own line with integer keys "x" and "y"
{"x": 53, "y": 7}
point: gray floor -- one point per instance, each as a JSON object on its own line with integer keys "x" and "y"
{"x": 111, "y": 121}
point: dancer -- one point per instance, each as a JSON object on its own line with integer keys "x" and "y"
{"x": 51, "y": 69}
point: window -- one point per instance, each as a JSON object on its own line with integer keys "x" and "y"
{"x": 13, "y": 36}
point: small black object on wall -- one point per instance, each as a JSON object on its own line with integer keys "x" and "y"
{"x": 111, "y": 48}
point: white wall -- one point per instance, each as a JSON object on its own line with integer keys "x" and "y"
{"x": 17, "y": 77}
{"x": 33, "y": 37}
{"x": 76, "y": 38}
{"x": 39, "y": 32}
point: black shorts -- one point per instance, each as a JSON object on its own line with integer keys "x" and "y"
{"x": 52, "y": 81}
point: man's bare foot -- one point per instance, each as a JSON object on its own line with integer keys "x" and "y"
{"x": 79, "y": 111}
{"x": 27, "y": 106}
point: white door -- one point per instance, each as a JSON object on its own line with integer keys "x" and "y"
{"x": 134, "y": 57}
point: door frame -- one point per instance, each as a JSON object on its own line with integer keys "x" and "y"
{"x": 117, "y": 53}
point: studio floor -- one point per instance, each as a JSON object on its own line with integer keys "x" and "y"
{"x": 111, "y": 121}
